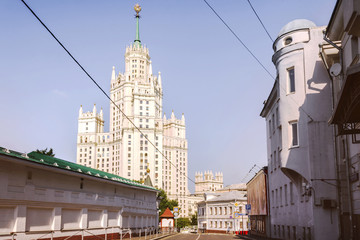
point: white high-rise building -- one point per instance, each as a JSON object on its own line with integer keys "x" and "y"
{"x": 124, "y": 150}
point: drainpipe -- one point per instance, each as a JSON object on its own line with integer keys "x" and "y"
{"x": 336, "y": 152}
{"x": 349, "y": 190}
{"x": 268, "y": 201}
{"x": 336, "y": 157}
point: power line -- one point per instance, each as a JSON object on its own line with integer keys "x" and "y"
{"x": 260, "y": 20}
{"x": 255, "y": 59}
{"x": 239, "y": 39}
{"x": 102, "y": 90}
{"x": 254, "y": 55}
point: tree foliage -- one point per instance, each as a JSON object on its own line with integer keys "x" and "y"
{"x": 165, "y": 202}
{"x": 49, "y": 152}
{"x": 194, "y": 219}
{"x": 183, "y": 222}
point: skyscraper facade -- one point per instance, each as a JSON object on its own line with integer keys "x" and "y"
{"x": 136, "y": 105}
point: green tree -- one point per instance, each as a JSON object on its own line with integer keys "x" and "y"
{"x": 46, "y": 152}
{"x": 165, "y": 202}
{"x": 194, "y": 219}
{"x": 183, "y": 222}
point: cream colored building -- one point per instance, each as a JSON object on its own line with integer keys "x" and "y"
{"x": 46, "y": 197}
{"x": 206, "y": 182}
{"x": 223, "y": 212}
{"x": 124, "y": 150}
{"x": 300, "y": 146}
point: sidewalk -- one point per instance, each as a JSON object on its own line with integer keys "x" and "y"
{"x": 152, "y": 237}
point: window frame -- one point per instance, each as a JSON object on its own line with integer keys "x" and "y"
{"x": 291, "y": 131}
{"x": 291, "y": 81}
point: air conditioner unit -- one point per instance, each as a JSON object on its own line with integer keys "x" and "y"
{"x": 328, "y": 203}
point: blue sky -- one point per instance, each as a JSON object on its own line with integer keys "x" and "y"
{"x": 206, "y": 72}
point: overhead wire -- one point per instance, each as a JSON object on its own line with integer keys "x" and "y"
{"x": 237, "y": 37}
{"x": 260, "y": 20}
{"x": 102, "y": 90}
{"x": 253, "y": 55}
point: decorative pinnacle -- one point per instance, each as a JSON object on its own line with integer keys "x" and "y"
{"x": 137, "y": 9}
{"x": 137, "y": 38}
{"x": 148, "y": 169}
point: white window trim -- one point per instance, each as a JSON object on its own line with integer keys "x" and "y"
{"x": 291, "y": 134}
{"x": 288, "y": 80}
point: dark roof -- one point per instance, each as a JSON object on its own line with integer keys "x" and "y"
{"x": 70, "y": 166}
{"x": 167, "y": 214}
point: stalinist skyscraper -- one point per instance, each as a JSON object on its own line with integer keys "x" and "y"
{"x": 124, "y": 150}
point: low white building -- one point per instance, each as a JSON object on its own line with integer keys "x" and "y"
{"x": 46, "y": 197}
{"x": 223, "y": 213}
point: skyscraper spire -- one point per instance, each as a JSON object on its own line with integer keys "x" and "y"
{"x": 137, "y": 41}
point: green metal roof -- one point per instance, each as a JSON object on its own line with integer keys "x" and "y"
{"x": 70, "y": 166}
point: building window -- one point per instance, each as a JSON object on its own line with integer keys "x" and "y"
{"x": 270, "y": 128}
{"x": 291, "y": 193}
{"x": 291, "y": 79}
{"x": 279, "y": 157}
{"x": 294, "y": 134}
{"x": 273, "y": 123}
{"x": 288, "y": 40}
{"x": 275, "y": 163}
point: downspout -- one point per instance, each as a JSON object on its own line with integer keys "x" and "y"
{"x": 346, "y": 142}
{"x": 268, "y": 202}
{"x": 349, "y": 190}
{"x": 336, "y": 162}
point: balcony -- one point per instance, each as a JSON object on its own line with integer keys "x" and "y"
{"x": 347, "y": 111}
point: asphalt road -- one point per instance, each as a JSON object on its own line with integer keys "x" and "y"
{"x": 190, "y": 236}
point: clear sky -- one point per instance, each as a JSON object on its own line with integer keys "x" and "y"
{"x": 206, "y": 72}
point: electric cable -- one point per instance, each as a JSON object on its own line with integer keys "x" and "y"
{"x": 253, "y": 54}
{"x": 102, "y": 90}
{"x": 236, "y": 36}
{"x": 260, "y": 20}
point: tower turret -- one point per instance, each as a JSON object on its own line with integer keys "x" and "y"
{"x": 80, "y": 111}
{"x": 113, "y": 78}
{"x": 172, "y": 116}
{"x": 94, "y": 110}
{"x": 183, "y": 119}
{"x": 150, "y": 69}
{"x": 159, "y": 79}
